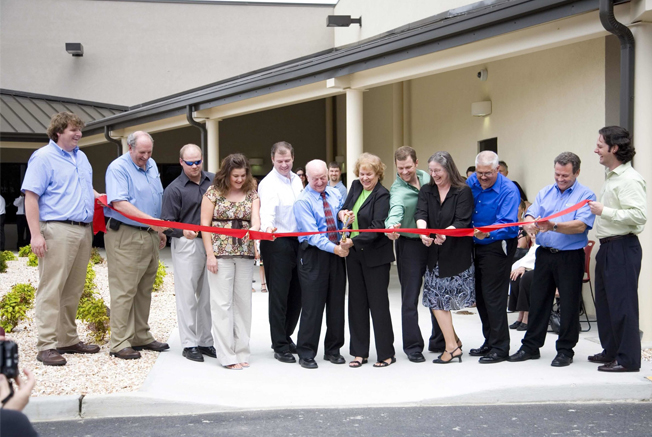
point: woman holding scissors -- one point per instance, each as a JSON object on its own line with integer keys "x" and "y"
{"x": 368, "y": 263}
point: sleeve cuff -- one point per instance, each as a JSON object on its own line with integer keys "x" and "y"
{"x": 608, "y": 213}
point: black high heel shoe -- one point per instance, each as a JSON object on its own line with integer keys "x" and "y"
{"x": 459, "y": 357}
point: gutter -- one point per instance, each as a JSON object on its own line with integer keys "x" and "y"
{"x": 627, "y": 62}
{"x": 200, "y": 126}
{"x": 112, "y": 140}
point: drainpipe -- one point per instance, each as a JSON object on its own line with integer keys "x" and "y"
{"x": 627, "y": 62}
{"x": 200, "y": 126}
{"x": 113, "y": 140}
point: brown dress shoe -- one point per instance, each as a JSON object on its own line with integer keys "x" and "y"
{"x": 79, "y": 348}
{"x": 126, "y": 354}
{"x": 155, "y": 346}
{"x": 51, "y": 357}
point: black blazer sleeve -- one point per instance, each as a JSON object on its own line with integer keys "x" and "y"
{"x": 422, "y": 204}
{"x": 464, "y": 209}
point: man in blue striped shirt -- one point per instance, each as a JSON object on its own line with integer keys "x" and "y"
{"x": 559, "y": 261}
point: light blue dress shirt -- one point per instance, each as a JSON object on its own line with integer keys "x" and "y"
{"x": 341, "y": 188}
{"x": 309, "y": 213}
{"x": 497, "y": 204}
{"x": 551, "y": 200}
{"x": 142, "y": 188}
{"x": 64, "y": 185}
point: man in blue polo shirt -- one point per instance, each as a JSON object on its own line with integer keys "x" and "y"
{"x": 559, "y": 261}
{"x": 59, "y": 205}
{"x": 496, "y": 201}
{"x": 133, "y": 187}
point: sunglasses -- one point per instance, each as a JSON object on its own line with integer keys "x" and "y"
{"x": 191, "y": 163}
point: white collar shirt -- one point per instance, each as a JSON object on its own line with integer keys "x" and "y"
{"x": 277, "y": 195}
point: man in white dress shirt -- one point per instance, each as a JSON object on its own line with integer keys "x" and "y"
{"x": 278, "y": 191}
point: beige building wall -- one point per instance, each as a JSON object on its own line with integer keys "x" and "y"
{"x": 139, "y": 51}
{"x": 378, "y": 128}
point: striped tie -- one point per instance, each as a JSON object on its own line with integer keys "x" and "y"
{"x": 330, "y": 221}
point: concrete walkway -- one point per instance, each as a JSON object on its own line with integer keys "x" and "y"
{"x": 179, "y": 386}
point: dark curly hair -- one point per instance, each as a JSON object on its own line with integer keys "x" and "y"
{"x": 619, "y": 136}
{"x": 60, "y": 122}
{"x": 234, "y": 161}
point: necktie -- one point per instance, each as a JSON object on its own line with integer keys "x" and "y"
{"x": 330, "y": 220}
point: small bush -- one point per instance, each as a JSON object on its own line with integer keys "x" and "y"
{"x": 96, "y": 258}
{"x": 92, "y": 309}
{"x": 15, "y": 304}
{"x": 160, "y": 276}
{"x": 32, "y": 260}
{"x": 3, "y": 264}
{"x": 8, "y": 255}
{"x": 25, "y": 251}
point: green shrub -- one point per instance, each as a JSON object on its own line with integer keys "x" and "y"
{"x": 160, "y": 276}
{"x": 15, "y": 304}
{"x": 25, "y": 251}
{"x": 8, "y": 255}
{"x": 92, "y": 309}
{"x": 32, "y": 260}
{"x": 96, "y": 258}
{"x": 3, "y": 264}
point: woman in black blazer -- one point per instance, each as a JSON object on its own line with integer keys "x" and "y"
{"x": 447, "y": 203}
{"x": 368, "y": 263}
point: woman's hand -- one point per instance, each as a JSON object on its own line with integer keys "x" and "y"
{"x": 427, "y": 241}
{"x": 516, "y": 273}
{"x": 211, "y": 263}
{"x": 24, "y": 387}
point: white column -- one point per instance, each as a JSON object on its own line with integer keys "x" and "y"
{"x": 330, "y": 155}
{"x": 213, "y": 145}
{"x": 397, "y": 115}
{"x": 643, "y": 164}
{"x": 354, "y": 131}
{"x": 407, "y": 113}
{"x": 125, "y": 145}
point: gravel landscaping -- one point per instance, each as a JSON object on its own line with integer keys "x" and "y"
{"x": 88, "y": 374}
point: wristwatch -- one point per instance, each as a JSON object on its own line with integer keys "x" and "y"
{"x": 554, "y": 227}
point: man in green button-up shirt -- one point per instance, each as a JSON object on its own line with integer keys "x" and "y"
{"x": 411, "y": 254}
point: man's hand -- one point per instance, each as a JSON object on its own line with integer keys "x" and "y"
{"x": 271, "y": 230}
{"x": 545, "y": 226}
{"x": 39, "y": 247}
{"x": 190, "y": 235}
{"x": 426, "y": 240}
{"x": 393, "y": 235}
{"x": 596, "y": 207}
{"x": 346, "y": 244}
{"x": 516, "y": 273}
{"x": 98, "y": 195}
{"x": 162, "y": 240}
{"x": 531, "y": 229}
{"x": 24, "y": 387}
{"x": 341, "y": 252}
{"x": 477, "y": 233}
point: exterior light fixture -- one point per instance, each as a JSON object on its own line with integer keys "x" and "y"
{"x": 481, "y": 109}
{"x": 75, "y": 49}
{"x": 342, "y": 21}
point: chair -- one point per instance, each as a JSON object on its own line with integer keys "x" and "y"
{"x": 587, "y": 278}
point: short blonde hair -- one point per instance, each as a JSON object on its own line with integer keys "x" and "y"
{"x": 372, "y": 162}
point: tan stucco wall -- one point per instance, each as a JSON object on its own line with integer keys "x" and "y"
{"x": 139, "y": 51}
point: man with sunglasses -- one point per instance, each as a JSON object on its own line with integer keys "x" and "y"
{"x": 182, "y": 203}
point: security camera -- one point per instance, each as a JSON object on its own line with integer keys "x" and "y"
{"x": 482, "y": 74}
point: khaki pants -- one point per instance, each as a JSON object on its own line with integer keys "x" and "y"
{"x": 132, "y": 256}
{"x": 62, "y": 272}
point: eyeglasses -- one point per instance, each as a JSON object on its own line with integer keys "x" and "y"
{"x": 485, "y": 174}
{"x": 300, "y": 175}
{"x": 191, "y": 163}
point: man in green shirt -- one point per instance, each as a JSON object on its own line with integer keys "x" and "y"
{"x": 411, "y": 254}
{"x": 620, "y": 216}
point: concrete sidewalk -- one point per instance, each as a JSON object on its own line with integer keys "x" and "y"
{"x": 179, "y": 386}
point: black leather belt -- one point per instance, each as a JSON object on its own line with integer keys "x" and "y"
{"x": 70, "y": 222}
{"x": 550, "y": 249}
{"x": 614, "y": 238}
{"x": 141, "y": 228}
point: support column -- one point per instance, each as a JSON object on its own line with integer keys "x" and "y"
{"x": 643, "y": 164}
{"x": 125, "y": 145}
{"x": 407, "y": 113}
{"x": 330, "y": 156}
{"x": 354, "y": 130}
{"x": 213, "y": 145}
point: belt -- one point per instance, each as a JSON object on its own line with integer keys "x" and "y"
{"x": 141, "y": 228}
{"x": 615, "y": 237}
{"x": 550, "y": 249}
{"x": 69, "y": 222}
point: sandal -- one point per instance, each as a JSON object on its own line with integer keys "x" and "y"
{"x": 452, "y": 357}
{"x": 385, "y": 363}
{"x": 356, "y": 363}
{"x": 235, "y": 366}
{"x": 263, "y": 289}
{"x": 245, "y": 364}
{"x": 253, "y": 290}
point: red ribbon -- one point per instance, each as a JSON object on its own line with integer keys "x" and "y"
{"x": 99, "y": 225}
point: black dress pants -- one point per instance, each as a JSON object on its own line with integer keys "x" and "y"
{"x": 368, "y": 293}
{"x": 323, "y": 279}
{"x": 519, "y": 292}
{"x": 618, "y": 265}
{"x": 564, "y": 271}
{"x": 493, "y": 265}
{"x": 24, "y": 235}
{"x": 411, "y": 260}
{"x": 2, "y": 232}
{"x": 280, "y": 264}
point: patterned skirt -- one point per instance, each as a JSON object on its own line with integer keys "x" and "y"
{"x": 452, "y": 293}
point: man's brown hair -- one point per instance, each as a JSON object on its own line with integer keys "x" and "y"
{"x": 402, "y": 153}
{"x": 59, "y": 122}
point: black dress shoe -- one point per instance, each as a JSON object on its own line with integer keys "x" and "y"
{"x": 515, "y": 325}
{"x": 335, "y": 359}
{"x": 308, "y": 363}
{"x": 522, "y": 327}
{"x": 416, "y": 357}
{"x": 437, "y": 350}
{"x": 615, "y": 367}
{"x": 209, "y": 351}
{"x": 561, "y": 360}
{"x": 600, "y": 358}
{"x": 521, "y": 355}
{"x": 492, "y": 358}
{"x": 293, "y": 348}
{"x": 193, "y": 354}
{"x": 155, "y": 346}
{"x": 285, "y": 357}
{"x": 480, "y": 352}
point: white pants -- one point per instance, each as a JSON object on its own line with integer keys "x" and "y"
{"x": 192, "y": 292}
{"x": 231, "y": 309}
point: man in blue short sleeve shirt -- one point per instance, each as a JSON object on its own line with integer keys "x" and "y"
{"x": 559, "y": 261}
